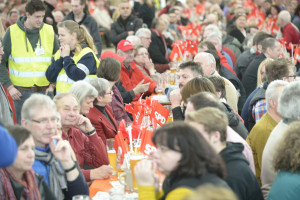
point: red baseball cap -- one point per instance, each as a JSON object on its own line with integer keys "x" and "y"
{"x": 111, "y": 54}
{"x": 124, "y": 45}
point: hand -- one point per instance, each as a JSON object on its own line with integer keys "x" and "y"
{"x": 62, "y": 151}
{"x": 175, "y": 98}
{"x": 50, "y": 89}
{"x": 140, "y": 88}
{"x": 65, "y": 50}
{"x": 150, "y": 66}
{"x": 84, "y": 124}
{"x": 49, "y": 20}
{"x": 143, "y": 172}
{"x": 14, "y": 93}
{"x": 130, "y": 32}
{"x": 103, "y": 172}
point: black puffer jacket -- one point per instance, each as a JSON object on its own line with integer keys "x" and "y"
{"x": 235, "y": 122}
{"x": 119, "y": 32}
{"x": 90, "y": 23}
{"x": 239, "y": 175}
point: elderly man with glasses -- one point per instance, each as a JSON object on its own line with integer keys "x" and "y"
{"x": 53, "y": 156}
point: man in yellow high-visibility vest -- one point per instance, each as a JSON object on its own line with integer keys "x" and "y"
{"x": 28, "y": 46}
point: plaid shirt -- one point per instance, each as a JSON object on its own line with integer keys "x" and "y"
{"x": 259, "y": 109}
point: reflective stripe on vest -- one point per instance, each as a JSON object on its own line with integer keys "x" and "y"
{"x": 26, "y": 68}
{"x": 63, "y": 82}
{"x": 30, "y": 59}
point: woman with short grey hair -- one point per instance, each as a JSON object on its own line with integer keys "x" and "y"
{"x": 101, "y": 115}
{"x": 85, "y": 94}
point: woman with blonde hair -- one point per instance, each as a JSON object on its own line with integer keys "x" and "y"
{"x": 261, "y": 71}
{"x": 76, "y": 58}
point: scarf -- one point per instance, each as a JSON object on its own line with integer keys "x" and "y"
{"x": 164, "y": 41}
{"x": 28, "y": 182}
{"x": 57, "y": 178}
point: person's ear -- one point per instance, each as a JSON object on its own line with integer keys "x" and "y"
{"x": 215, "y": 137}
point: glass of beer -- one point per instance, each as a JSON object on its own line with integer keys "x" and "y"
{"x": 112, "y": 156}
{"x": 134, "y": 159}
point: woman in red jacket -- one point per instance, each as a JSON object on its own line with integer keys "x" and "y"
{"x": 101, "y": 115}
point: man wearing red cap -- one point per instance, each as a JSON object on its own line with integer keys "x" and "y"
{"x": 131, "y": 76}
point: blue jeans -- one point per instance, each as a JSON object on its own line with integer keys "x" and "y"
{"x": 25, "y": 95}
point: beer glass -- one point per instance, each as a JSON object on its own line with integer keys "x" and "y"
{"x": 134, "y": 159}
{"x": 112, "y": 156}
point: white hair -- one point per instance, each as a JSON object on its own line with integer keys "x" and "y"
{"x": 285, "y": 16}
{"x": 289, "y": 102}
{"x": 214, "y": 29}
{"x": 273, "y": 91}
{"x": 141, "y": 32}
{"x": 135, "y": 40}
{"x": 100, "y": 84}
{"x": 36, "y": 101}
{"x": 214, "y": 35}
{"x": 82, "y": 90}
{"x": 209, "y": 56}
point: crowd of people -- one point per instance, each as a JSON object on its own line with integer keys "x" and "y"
{"x": 234, "y": 103}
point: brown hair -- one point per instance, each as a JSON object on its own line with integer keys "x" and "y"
{"x": 34, "y": 6}
{"x": 81, "y": 32}
{"x": 195, "y": 86}
{"x": 277, "y": 69}
{"x": 19, "y": 133}
{"x": 110, "y": 69}
{"x": 212, "y": 119}
{"x": 287, "y": 155}
{"x": 219, "y": 84}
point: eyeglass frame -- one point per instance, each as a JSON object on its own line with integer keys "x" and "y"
{"x": 45, "y": 121}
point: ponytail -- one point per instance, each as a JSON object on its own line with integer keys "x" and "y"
{"x": 81, "y": 32}
{"x": 83, "y": 36}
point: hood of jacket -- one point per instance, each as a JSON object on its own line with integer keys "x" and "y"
{"x": 28, "y": 32}
{"x": 233, "y": 119}
{"x": 233, "y": 152}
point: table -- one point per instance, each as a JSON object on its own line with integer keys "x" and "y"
{"x": 101, "y": 185}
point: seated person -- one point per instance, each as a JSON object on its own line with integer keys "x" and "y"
{"x": 144, "y": 63}
{"x": 131, "y": 75}
{"x": 101, "y": 114}
{"x": 19, "y": 180}
{"x": 91, "y": 155}
{"x": 86, "y": 94}
{"x": 8, "y": 148}
{"x": 212, "y": 124}
{"x": 187, "y": 164}
{"x": 55, "y": 164}
{"x": 110, "y": 69}
{"x": 76, "y": 58}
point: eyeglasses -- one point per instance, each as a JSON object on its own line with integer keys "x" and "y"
{"x": 143, "y": 54}
{"x": 147, "y": 38}
{"x": 46, "y": 121}
{"x": 292, "y": 76}
{"x": 111, "y": 92}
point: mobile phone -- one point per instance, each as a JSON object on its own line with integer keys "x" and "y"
{"x": 54, "y": 142}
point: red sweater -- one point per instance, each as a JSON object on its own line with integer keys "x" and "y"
{"x": 290, "y": 34}
{"x": 223, "y": 62}
{"x": 134, "y": 77}
{"x": 89, "y": 150}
